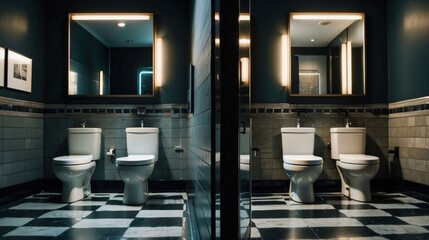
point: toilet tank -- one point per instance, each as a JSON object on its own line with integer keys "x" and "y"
{"x": 349, "y": 140}
{"x": 142, "y": 141}
{"x": 298, "y": 141}
{"x": 84, "y": 141}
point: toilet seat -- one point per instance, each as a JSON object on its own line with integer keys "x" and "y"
{"x": 360, "y": 159}
{"x": 72, "y": 160}
{"x": 136, "y": 160}
{"x": 305, "y": 160}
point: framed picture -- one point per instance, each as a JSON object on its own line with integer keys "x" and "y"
{"x": 2, "y": 61}
{"x": 18, "y": 71}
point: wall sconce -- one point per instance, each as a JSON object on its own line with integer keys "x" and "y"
{"x": 343, "y": 68}
{"x": 285, "y": 60}
{"x": 346, "y": 68}
{"x": 158, "y": 62}
{"x": 244, "y": 70}
{"x": 101, "y": 83}
{"x": 244, "y": 42}
{"x": 349, "y": 67}
{"x": 72, "y": 83}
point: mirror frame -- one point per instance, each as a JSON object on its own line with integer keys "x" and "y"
{"x": 289, "y": 57}
{"x": 154, "y": 57}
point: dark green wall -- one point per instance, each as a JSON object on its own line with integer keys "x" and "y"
{"x": 269, "y": 22}
{"x": 171, "y": 23}
{"x": 22, "y": 29}
{"x": 408, "y": 49}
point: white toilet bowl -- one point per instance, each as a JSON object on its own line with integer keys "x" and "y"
{"x": 75, "y": 170}
{"x": 138, "y": 166}
{"x": 135, "y": 170}
{"x": 356, "y": 171}
{"x": 354, "y": 167}
{"x": 299, "y": 163}
{"x": 75, "y": 173}
{"x": 303, "y": 171}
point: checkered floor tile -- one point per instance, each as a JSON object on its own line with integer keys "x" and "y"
{"x": 332, "y": 216}
{"x": 99, "y": 216}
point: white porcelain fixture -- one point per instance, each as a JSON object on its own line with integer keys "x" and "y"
{"x": 245, "y": 150}
{"x": 301, "y": 166}
{"x": 75, "y": 170}
{"x": 137, "y": 167}
{"x": 355, "y": 168}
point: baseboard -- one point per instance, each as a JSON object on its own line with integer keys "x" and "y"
{"x": 112, "y": 186}
{"x": 282, "y": 186}
{"x": 416, "y": 187}
{"x": 320, "y": 186}
{"x": 20, "y": 191}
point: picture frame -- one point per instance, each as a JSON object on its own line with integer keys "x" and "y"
{"x": 19, "y": 71}
{"x": 2, "y": 65}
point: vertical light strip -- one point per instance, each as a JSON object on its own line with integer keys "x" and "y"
{"x": 285, "y": 61}
{"x": 244, "y": 70}
{"x": 349, "y": 67}
{"x": 72, "y": 83}
{"x": 158, "y": 64}
{"x": 343, "y": 68}
{"x": 101, "y": 83}
{"x": 139, "y": 91}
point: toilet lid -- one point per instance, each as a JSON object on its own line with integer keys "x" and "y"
{"x": 133, "y": 160}
{"x": 359, "y": 159}
{"x": 72, "y": 159}
{"x": 302, "y": 160}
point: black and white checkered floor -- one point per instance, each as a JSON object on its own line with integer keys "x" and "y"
{"x": 99, "y": 216}
{"x": 166, "y": 216}
{"x": 388, "y": 216}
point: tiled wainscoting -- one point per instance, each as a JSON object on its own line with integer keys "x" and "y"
{"x": 268, "y": 119}
{"x": 32, "y": 134}
{"x": 21, "y": 142}
{"x": 409, "y": 133}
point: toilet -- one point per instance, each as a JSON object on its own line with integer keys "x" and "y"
{"x": 75, "y": 170}
{"x": 355, "y": 168}
{"x": 299, "y": 163}
{"x": 137, "y": 167}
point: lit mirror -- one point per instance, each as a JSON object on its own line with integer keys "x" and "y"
{"x": 111, "y": 54}
{"x": 327, "y": 54}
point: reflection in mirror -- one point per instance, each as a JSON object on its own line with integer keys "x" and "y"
{"x": 111, "y": 54}
{"x": 327, "y": 54}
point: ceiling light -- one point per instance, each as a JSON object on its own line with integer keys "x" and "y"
{"x": 121, "y": 24}
{"x": 312, "y": 40}
{"x": 324, "y": 23}
{"x": 130, "y": 41}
